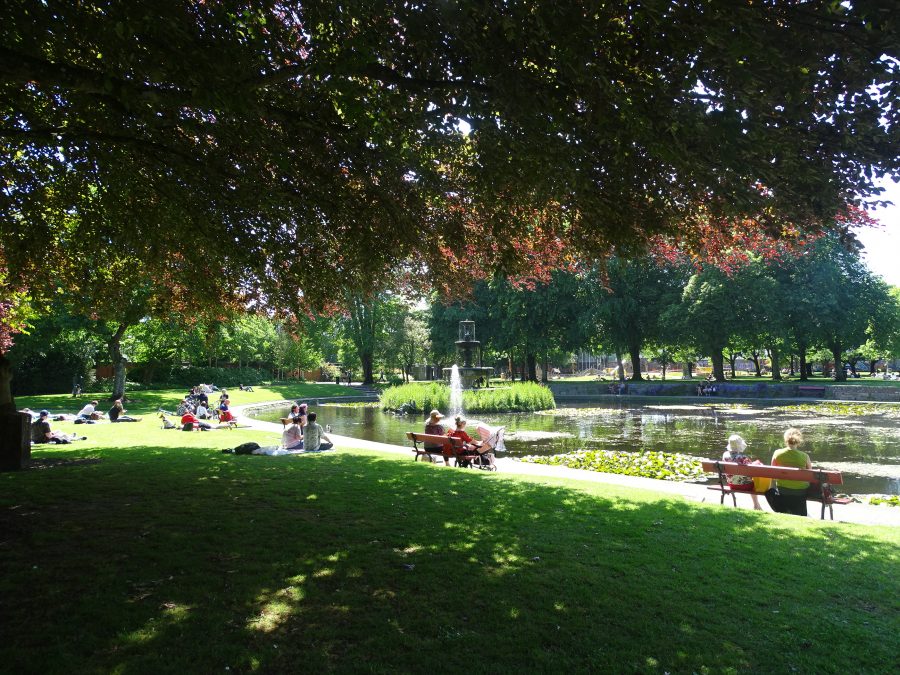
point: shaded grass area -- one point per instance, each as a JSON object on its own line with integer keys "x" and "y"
{"x": 143, "y": 402}
{"x": 167, "y": 556}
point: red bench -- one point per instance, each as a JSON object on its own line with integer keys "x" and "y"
{"x": 820, "y": 481}
{"x": 433, "y": 445}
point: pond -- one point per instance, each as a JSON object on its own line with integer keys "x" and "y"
{"x": 866, "y": 449}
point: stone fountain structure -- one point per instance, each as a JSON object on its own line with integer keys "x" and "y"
{"x": 470, "y": 375}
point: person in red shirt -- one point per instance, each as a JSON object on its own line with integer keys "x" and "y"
{"x": 190, "y": 418}
{"x": 460, "y": 432}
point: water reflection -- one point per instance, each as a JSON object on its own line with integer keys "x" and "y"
{"x": 864, "y": 448}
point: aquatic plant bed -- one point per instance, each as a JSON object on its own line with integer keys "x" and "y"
{"x": 886, "y": 500}
{"x": 843, "y": 409}
{"x": 516, "y": 397}
{"x": 649, "y": 464}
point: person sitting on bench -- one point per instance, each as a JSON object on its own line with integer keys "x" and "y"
{"x": 460, "y": 432}
{"x": 433, "y": 426}
{"x": 789, "y": 496}
{"x": 734, "y": 452}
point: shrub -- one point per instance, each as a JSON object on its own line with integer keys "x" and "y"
{"x": 518, "y": 397}
{"x": 426, "y": 395}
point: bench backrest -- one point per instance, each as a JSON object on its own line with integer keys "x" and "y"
{"x": 434, "y": 439}
{"x": 776, "y": 472}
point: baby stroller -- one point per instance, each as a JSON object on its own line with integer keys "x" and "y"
{"x": 491, "y": 441}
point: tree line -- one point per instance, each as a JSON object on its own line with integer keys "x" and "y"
{"x": 817, "y": 303}
{"x": 820, "y": 303}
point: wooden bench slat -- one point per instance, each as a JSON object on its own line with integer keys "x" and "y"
{"x": 774, "y": 472}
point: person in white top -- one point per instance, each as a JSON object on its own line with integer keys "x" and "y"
{"x": 202, "y": 412}
{"x": 88, "y": 410}
{"x": 292, "y": 437}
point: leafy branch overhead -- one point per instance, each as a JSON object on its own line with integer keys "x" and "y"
{"x": 270, "y": 142}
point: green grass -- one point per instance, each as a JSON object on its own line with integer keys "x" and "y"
{"x": 144, "y": 402}
{"x": 148, "y": 551}
{"x": 514, "y": 397}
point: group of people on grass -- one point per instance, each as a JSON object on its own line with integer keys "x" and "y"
{"x": 195, "y": 408}
{"x": 40, "y": 422}
{"x": 783, "y": 496}
{"x": 303, "y": 432}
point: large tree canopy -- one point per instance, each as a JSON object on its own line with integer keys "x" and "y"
{"x": 311, "y": 146}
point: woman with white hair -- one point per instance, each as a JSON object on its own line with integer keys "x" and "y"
{"x": 736, "y": 452}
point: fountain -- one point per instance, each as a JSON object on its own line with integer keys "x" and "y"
{"x": 470, "y": 376}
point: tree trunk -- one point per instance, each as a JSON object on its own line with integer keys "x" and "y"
{"x": 801, "y": 356}
{"x": 872, "y": 365}
{"x": 635, "y": 353}
{"x": 367, "y": 368}
{"x": 840, "y": 375}
{"x": 718, "y": 362}
{"x": 15, "y": 427}
{"x": 531, "y": 367}
{"x": 118, "y": 362}
{"x": 732, "y": 359}
{"x": 775, "y": 357}
{"x": 664, "y": 369}
{"x": 545, "y": 375}
{"x": 687, "y": 370}
{"x": 754, "y": 356}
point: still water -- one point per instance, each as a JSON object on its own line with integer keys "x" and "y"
{"x": 866, "y": 449}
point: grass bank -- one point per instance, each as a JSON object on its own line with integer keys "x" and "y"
{"x": 147, "y": 551}
{"x": 144, "y": 402}
{"x": 515, "y": 397}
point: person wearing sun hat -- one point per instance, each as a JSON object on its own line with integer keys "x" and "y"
{"x": 736, "y": 452}
{"x": 433, "y": 426}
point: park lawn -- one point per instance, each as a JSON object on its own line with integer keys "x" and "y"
{"x": 144, "y": 402}
{"x": 147, "y": 551}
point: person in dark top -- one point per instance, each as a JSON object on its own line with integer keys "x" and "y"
{"x": 117, "y": 413}
{"x": 41, "y": 432}
{"x": 433, "y": 426}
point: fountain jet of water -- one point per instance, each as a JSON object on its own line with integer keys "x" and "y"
{"x": 456, "y": 396}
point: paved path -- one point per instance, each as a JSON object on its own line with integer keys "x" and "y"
{"x": 849, "y": 513}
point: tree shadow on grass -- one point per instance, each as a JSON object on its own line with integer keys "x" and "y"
{"x": 364, "y": 562}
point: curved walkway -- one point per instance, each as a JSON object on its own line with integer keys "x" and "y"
{"x": 850, "y": 513}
